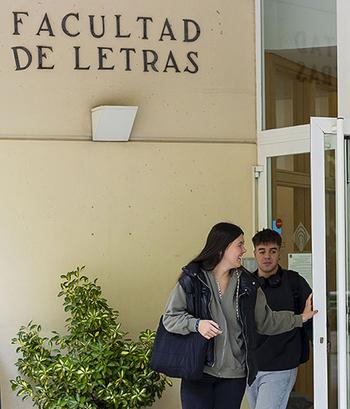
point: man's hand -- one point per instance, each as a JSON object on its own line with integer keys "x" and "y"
{"x": 308, "y": 312}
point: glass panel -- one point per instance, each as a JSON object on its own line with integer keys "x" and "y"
{"x": 299, "y": 50}
{"x": 290, "y": 196}
{"x": 290, "y": 202}
{"x": 322, "y": 100}
{"x": 331, "y": 283}
{"x": 284, "y": 101}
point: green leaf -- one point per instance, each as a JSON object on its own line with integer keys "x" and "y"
{"x": 92, "y": 362}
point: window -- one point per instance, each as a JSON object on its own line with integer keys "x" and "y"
{"x": 299, "y": 61}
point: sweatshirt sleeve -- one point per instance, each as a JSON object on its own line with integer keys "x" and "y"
{"x": 270, "y": 322}
{"x": 176, "y": 318}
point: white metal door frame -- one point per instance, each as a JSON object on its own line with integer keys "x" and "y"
{"x": 318, "y": 237}
{"x": 320, "y": 127}
{"x": 278, "y": 142}
{"x": 342, "y": 126}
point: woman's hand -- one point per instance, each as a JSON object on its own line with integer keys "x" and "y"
{"x": 209, "y": 329}
{"x": 308, "y": 312}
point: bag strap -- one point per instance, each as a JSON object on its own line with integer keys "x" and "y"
{"x": 295, "y": 286}
{"x": 197, "y": 297}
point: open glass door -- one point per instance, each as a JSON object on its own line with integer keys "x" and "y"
{"x": 330, "y": 230}
{"x": 285, "y": 203}
{"x": 284, "y": 196}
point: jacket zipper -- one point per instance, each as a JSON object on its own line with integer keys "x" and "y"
{"x": 244, "y": 338}
{"x": 211, "y": 314}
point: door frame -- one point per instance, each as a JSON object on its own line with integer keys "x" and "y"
{"x": 277, "y": 142}
{"x": 320, "y": 127}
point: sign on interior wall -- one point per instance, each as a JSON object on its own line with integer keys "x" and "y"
{"x": 104, "y": 32}
{"x": 302, "y": 263}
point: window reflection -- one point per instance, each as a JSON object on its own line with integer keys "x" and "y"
{"x": 300, "y": 61}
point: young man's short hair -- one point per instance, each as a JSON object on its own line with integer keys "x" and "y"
{"x": 265, "y": 236}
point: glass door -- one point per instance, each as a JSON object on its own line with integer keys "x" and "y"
{"x": 290, "y": 214}
{"x": 284, "y": 202}
{"x": 330, "y": 228}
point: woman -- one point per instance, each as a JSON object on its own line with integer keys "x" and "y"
{"x": 232, "y": 307}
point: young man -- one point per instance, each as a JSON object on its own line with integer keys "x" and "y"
{"x": 279, "y": 355}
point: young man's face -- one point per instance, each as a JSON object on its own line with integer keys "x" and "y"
{"x": 267, "y": 256}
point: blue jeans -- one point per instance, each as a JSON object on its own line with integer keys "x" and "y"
{"x": 211, "y": 392}
{"x": 271, "y": 390}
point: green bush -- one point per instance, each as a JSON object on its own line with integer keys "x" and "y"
{"x": 93, "y": 366}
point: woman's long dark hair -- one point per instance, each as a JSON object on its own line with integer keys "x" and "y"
{"x": 219, "y": 238}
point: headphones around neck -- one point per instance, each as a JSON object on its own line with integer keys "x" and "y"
{"x": 273, "y": 281}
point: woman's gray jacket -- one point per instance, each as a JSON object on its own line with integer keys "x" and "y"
{"x": 248, "y": 285}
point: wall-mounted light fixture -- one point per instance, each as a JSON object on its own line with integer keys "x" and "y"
{"x": 112, "y": 123}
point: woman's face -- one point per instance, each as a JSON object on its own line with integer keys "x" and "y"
{"x": 234, "y": 252}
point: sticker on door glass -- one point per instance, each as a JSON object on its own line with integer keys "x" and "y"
{"x": 301, "y": 237}
{"x": 277, "y": 226}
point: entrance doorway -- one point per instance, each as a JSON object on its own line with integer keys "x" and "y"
{"x": 312, "y": 208}
{"x": 290, "y": 195}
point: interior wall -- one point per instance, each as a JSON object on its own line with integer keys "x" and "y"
{"x": 133, "y": 213}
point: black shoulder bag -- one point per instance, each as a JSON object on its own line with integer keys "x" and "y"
{"x": 180, "y": 356}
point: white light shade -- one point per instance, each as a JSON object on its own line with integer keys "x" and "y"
{"x": 112, "y": 123}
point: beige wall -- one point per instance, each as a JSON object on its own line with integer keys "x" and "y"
{"x": 217, "y": 102}
{"x": 134, "y": 213}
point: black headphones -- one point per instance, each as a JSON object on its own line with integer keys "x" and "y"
{"x": 273, "y": 281}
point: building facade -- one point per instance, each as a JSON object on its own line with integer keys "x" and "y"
{"x": 225, "y": 93}
{"x": 132, "y": 212}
